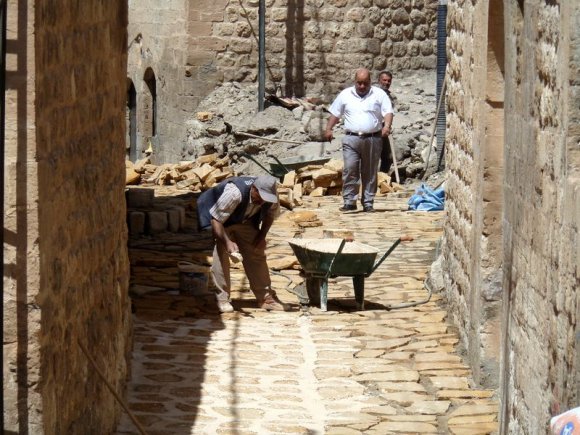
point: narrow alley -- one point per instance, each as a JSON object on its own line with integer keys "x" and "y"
{"x": 377, "y": 371}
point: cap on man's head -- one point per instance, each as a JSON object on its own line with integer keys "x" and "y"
{"x": 266, "y": 186}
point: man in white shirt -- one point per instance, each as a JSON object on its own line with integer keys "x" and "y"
{"x": 368, "y": 115}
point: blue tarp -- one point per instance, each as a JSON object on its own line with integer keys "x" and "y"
{"x": 427, "y": 199}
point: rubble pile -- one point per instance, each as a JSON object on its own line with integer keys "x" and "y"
{"x": 229, "y": 137}
{"x": 228, "y": 123}
{"x": 199, "y": 175}
{"x": 208, "y": 170}
{"x": 321, "y": 180}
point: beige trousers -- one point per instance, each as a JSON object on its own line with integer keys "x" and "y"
{"x": 254, "y": 262}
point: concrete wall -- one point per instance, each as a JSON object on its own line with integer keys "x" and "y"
{"x": 312, "y": 49}
{"x": 511, "y": 243}
{"x": 66, "y": 265}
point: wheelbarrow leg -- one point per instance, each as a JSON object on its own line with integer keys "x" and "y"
{"x": 313, "y": 289}
{"x": 317, "y": 289}
{"x": 323, "y": 294}
{"x": 358, "y": 282}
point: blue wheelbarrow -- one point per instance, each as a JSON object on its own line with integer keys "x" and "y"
{"x": 323, "y": 258}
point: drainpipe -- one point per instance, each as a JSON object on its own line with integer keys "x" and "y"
{"x": 3, "y": 9}
{"x": 441, "y": 66}
{"x": 261, "y": 54}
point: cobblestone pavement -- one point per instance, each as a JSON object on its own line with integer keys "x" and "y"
{"x": 343, "y": 371}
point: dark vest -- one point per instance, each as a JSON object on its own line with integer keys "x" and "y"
{"x": 208, "y": 199}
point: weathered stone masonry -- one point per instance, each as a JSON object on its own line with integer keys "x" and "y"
{"x": 542, "y": 215}
{"x": 472, "y": 242}
{"x": 530, "y": 324}
{"x": 312, "y": 48}
{"x": 65, "y": 211}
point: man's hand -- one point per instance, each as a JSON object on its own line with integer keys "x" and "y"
{"x": 387, "y": 123}
{"x": 332, "y": 121}
{"x": 231, "y": 246}
{"x": 219, "y": 232}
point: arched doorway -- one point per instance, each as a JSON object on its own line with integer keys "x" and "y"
{"x": 149, "y": 104}
{"x": 131, "y": 122}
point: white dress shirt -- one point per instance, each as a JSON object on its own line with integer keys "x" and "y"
{"x": 362, "y": 114}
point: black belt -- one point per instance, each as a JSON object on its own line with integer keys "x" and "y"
{"x": 364, "y": 135}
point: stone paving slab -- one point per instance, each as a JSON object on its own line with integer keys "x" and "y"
{"x": 343, "y": 371}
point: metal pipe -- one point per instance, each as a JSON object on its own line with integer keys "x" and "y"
{"x": 261, "y": 54}
{"x": 441, "y": 67}
{"x": 441, "y": 97}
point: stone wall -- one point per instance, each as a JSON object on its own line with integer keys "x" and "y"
{"x": 474, "y": 157}
{"x": 512, "y": 201}
{"x": 542, "y": 215}
{"x": 66, "y": 245}
{"x": 312, "y": 49}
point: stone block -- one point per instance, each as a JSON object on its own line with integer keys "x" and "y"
{"x": 224, "y": 29}
{"x": 211, "y": 43}
{"x": 241, "y": 46}
{"x": 355, "y": 15}
{"x": 279, "y": 14}
{"x": 156, "y": 222}
{"x": 173, "y": 220}
{"x": 185, "y": 184}
{"x": 136, "y": 222}
{"x": 139, "y": 197}
{"x": 181, "y": 212}
{"x": 201, "y": 28}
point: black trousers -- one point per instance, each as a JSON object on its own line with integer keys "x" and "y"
{"x": 386, "y": 157}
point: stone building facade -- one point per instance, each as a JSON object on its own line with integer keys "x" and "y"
{"x": 179, "y": 51}
{"x": 511, "y": 244}
{"x": 65, "y": 255}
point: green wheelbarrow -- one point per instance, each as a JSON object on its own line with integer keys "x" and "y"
{"x": 323, "y": 258}
{"x": 283, "y": 166}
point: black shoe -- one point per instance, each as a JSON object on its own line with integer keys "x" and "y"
{"x": 369, "y": 209}
{"x": 348, "y": 207}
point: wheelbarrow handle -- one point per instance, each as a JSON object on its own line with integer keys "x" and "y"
{"x": 245, "y": 154}
{"x": 279, "y": 162}
{"x": 403, "y": 238}
{"x": 340, "y": 248}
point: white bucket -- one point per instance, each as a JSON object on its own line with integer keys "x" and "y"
{"x": 193, "y": 278}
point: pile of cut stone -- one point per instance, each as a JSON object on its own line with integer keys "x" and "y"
{"x": 321, "y": 180}
{"x": 208, "y": 170}
{"x": 199, "y": 175}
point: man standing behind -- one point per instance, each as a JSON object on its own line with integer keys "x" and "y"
{"x": 240, "y": 212}
{"x": 368, "y": 114}
{"x": 385, "y": 81}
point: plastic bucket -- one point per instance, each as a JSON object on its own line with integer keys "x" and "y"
{"x": 193, "y": 278}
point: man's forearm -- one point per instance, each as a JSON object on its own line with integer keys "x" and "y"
{"x": 219, "y": 231}
{"x": 388, "y": 120}
{"x": 332, "y": 121}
